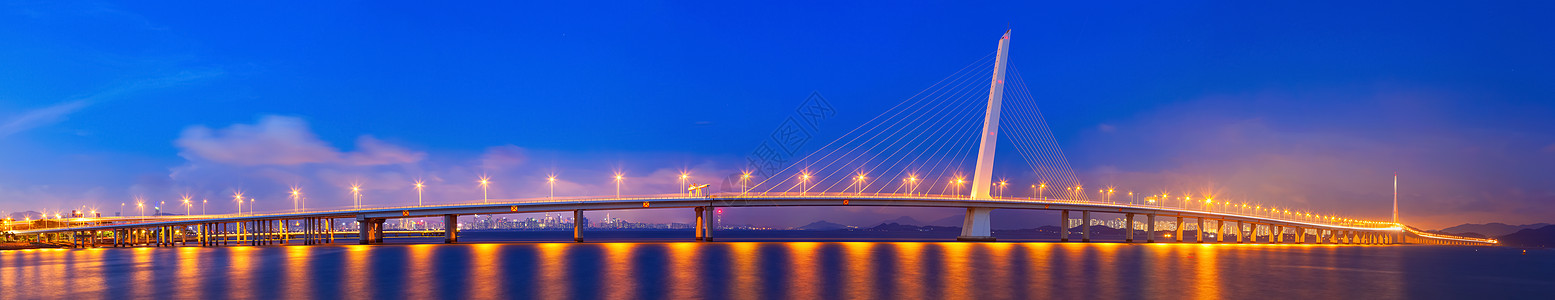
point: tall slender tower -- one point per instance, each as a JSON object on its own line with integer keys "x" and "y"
{"x": 1395, "y": 198}
{"x": 982, "y": 177}
{"x": 976, "y": 226}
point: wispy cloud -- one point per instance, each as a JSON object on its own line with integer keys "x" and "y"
{"x": 61, "y": 111}
{"x": 280, "y": 140}
{"x": 40, "y": 117}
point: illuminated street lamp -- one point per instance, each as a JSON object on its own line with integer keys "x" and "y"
{"x": 618, "y": 185}
{"x": 484, "y": 182}
{"x": 296, "y": 198}
{"x": 552, "y": 182}
{"x": 237, "y": 197}
{"x": 188, "y": 207}
{"x": 745, "y": 179}
{"x": 685, "y": 180}
{"x": 859, "y": 181}
{"x": 419, "y": 187}
{"x": 203, "y": 204}
{"x": 356, "y": 196}
{"x": 1002, "y": 185}
{"x": 804, "y": 183}
{"x": 912, "y": 184}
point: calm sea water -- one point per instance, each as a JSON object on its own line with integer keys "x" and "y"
{"x": 779, "y": 270}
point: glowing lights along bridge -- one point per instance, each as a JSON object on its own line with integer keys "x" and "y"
{"x": 910, "y": 156}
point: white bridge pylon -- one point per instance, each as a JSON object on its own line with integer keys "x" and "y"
{"x": 977, "y": 226}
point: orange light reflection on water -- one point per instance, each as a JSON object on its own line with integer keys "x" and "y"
{"x": 1038, "y": 273}
{"x": 142, "y": 260}
{"x": 419, "y": 276}
{"x": 745, "y": 271}
{"x": 622, "y": 283}
{"x": 909, "y": 268}
{"x": 1106, "y": 260}
{"x": 802, "y": 284}
{"x": 1206, "y": 274}
{"x": 956, "y": 261}
{"x": 356, "y": 269}
{"x": 553, "y": 283}
{"x": 860, "y": 275}
{"x": 189, "y": 279}
{"x": 685, "y": 271}
{"x": 486, "y": 276}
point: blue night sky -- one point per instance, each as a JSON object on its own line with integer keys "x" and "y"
{"x": 1306, "y": 105}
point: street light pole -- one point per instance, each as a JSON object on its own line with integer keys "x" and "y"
{"x": 484, "y": 182}
{"x": 418, "y": 193}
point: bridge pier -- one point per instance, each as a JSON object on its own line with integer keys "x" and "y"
{"x": 1150, "y": 228}
{"x": 1179, "y": 229}
{"x": 1128, "y": 228}
{"x": 1220, "y": 231}
{"x": 1252, "y": 232}
{"x": 976, "y": 226}
{"x": 1240, "y": 235}
{"x": 1063, "y": 226}
{"x": 364, "y": 231}
{"x": 450, "y": 229}
{"x": 1200, "y": 231}
{"x": 709, "y": 222}
{"x": 1085, "y": 226}
{"x": 307, "y": 231}
{"x": 378, "y": 230}
{"x": 699, "y": 222}
{"x": 282, "y": 237}
{"x": 577, "y": 225}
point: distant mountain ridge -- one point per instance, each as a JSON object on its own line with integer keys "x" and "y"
{"x": 822, "y": 225}
{"x": 1491, "y": 229}
{"x": 1544, "y": 237}
{"x": 904, "y": 220}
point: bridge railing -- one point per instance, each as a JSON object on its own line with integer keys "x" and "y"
{"x": 1425, "y": 234}
{"x": 736, "y": 195}
{"x": 1236, "y": 211}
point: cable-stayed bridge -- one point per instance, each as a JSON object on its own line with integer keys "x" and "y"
{"x": 929, "y": 151}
